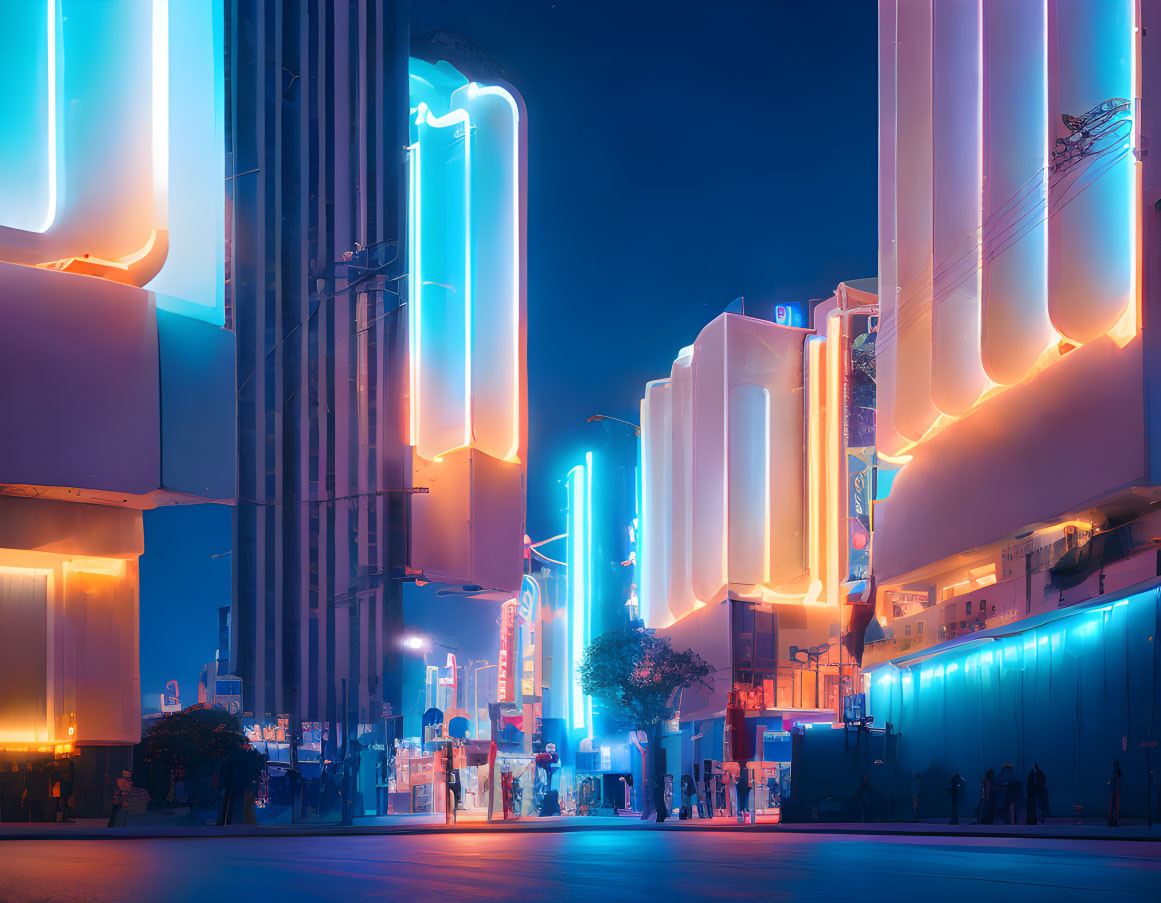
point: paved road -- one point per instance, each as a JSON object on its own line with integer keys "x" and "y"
{"x": 596, "y": 866}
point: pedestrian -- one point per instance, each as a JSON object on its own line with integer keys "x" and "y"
{"x": 688, "y": 789}
{"x": 120, "y": 798}
{"x": 1004, "y": 791}
{"x": 506, "y": 789}
{"x": 989, "y": 808}
{"x": 1012, "y": 800}
{"x": 1115, "y": 795}
{"x": 954, "y": 787}
{"x": 863, "y": 800}
{"x": 916, "y": 790}
{"x": 452, "y": 800}
{"x": 67, "y": 788}
{"x": 1030, "y": 817}
{"x": 1041, "y": 795}
{"x": 743, "y": 793}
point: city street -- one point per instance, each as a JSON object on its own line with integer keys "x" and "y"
{"x": 593, "y": 865}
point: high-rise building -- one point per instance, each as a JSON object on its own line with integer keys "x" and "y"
{"x": 376, "y": 284}
{"x": 316, "y": 130}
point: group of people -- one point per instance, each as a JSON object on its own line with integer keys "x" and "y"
{"x": 1001, "y": 796}
{"x": 37, "y": 791}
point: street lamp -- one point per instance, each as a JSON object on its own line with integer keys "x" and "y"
{"x": 636, "y": 429}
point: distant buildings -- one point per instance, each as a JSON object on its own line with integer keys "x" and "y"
{"x": 757, "y": 463}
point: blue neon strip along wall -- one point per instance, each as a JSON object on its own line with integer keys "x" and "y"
{"x": 579, "y": 561}
{"x": 1061, "y": 692}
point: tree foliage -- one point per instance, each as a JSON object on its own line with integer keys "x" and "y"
{"x": 198, "y": 741}
{"x": 640, "y": 673}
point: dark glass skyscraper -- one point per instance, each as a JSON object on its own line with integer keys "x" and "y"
{"x": 316, "y": 132}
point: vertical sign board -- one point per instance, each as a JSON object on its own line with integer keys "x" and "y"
{"x": 507, "y": 671}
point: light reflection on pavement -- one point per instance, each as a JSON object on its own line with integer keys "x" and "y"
{"x": 598, "y": 866}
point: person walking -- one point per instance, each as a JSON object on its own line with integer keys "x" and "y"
{"x": 743, "y": 791}
{"x": 688, "y": 790}
{"x": 954, "y": 787}
{"x": 863, "y": 800}
{"x": 916, "y": 790}
{"x": 67, "y": 788}
{"x": 120, "y": 798}
{"x": 1041, "y": 795}
{"x": 1030, "y": 817}
{"x": 988, "y": 814}
{"x": 1007, "y": 791}
{"x": 1115, "y": 795}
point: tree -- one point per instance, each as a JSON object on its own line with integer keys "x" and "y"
{"x": 641, "y": 674}
{"x": 194, "y": 743}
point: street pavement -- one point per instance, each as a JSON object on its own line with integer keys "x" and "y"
{"x": 600, "y": 866}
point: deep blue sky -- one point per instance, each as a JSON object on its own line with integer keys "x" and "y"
{"x": 182, "y": 586}
{"x": 677, "y": 160}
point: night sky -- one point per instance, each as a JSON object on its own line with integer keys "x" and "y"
{"x": 677, "y": 160}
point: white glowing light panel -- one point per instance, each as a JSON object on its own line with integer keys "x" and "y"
{"x": 464, "y": 263}
{"x": 102, "y": 102}
{"x": 723, "y": 472}
{"x": 580, "y": 587}
{"x": 1009, "y": 199}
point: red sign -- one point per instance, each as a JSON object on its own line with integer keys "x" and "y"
{"x": 507, "y": 671}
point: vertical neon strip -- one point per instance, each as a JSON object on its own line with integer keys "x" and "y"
{"x": 1047, "y": 168}
{"x": 415, "y": 283}
{"x": 161, "y": 110}
{"x": 815, "y": 462}
{"x": 1127, "y": 328}
{"x": 587, "y": 565}
{"x": 767, "y": 488}
{"x": 469, "y": 289}
{"x": 50, "y": 213}
{"x": 836, "y": 521}
{"x": 577, "y": 591}
{"x": 980, "y": 193}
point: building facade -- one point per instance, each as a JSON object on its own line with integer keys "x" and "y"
{"x": 377, "y": 287}
{"x": 757, "y": 468}
{"x": 117, "y": 370}
{"x": 316, "y": 130}
{"x": 1014, "y": 551}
